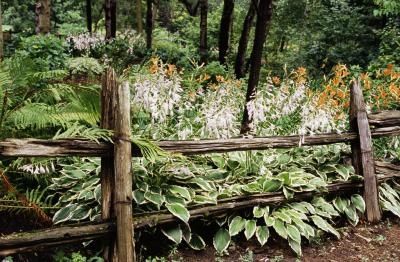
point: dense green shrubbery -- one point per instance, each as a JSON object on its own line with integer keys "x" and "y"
{"x": 47, "y": 52}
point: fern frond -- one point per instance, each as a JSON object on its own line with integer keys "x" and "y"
{"x": 80, "y": 131}
{"x": 149, "y": 149}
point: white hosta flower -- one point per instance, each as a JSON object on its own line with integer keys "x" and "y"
{"x": 158, "y": 95}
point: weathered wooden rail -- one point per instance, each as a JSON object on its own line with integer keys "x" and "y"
{"x": 116, "y": 177}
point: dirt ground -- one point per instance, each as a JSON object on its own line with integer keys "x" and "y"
{"x": 365, "y": 242}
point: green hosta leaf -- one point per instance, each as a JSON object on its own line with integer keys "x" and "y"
{"x": 351, "y": 213}
{"x": 179, "y": 211}
{"x": 64, "y": 213}
{"x": 260, "y": 211}
{"x": 262, "y": 234}
{"x": 288, "y": 192}
{"x": 202, "y": 184}
{"x": 295, "y": 246}
{"x": 186, "y": 232}
{"x": 269, "y": 221}
{"x": 204, "y": 200}
{"x": 386, "y": 206}
{"x": 358, "y": 202}
{"x": 343, "y": 172}
{"x": 293, "y": 233}
{"x": 182, "y": 191}
{"x": 170, "y": 199}
{"x": 218, "y": 160}
{"x": 196, "y": 242}
{"x": 340, "y": 204}
{"x": 237, "y": 224}
{"x": 221, "y": 240}
{"x": 97, "y": 193}
{"x": 324, "y": 225}
{"x": 272, "y": 185}
{"x": 249, "y": 228}
{"x": 138, "y": 196}
{"x": 280, "y": 228}
{"x": 282, "y": 215}
{"x": 154, "y": 198}
{"x": 173, "y": 233}
{"x": 80, "y": 213}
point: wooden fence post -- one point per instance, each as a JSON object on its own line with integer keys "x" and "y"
{"x": 108, "y": 91}
{"x": 123, "y": 175}
{"x": 362, "y": 153}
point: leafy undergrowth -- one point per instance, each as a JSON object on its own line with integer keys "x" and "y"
{"x": 362, "y": 243}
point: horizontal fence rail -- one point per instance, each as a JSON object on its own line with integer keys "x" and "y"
{"x": 86, "y": 148}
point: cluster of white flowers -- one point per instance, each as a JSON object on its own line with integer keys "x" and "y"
{"x": 84, "y": 41}
{"x": 157, "y": 94}
{"x": 36, "y": 169}
{"x": 220, "y": 112}
{"x": 317, "y": 119}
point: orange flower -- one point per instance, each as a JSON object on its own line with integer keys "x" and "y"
{"x": 220, "y": 78}
{"x": 276, "y": 80}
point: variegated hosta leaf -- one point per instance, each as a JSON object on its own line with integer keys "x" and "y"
{"x": 221, "y": 240}
{"x": 237, "y": 224}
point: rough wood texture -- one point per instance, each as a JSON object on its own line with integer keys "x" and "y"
{"x": 108, "y": 102}
{"x": 26, "y": 242}
{"x": 362, "y": 154}
{"x": 82, "y": 147}
{"x": 123, "y": 175}
{"x": 384, "y": 118}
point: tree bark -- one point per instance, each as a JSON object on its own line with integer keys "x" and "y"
{"x": 203, "y": 50}
{"x": 165, "y": 14}
{"x": 244, "y": 40}
{"x": 139, "y": 19}
{"x": 42, "y": 17}
{"x": 264, "y": 14}
{"x": 89, "y": 15}
{"x": 1, "y": 35}
{"x": 111, "y": 18}
{"x": 225, "y": 29}
{"x": 149, "y": 24}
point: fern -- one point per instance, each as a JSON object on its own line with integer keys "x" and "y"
{"x": 81, "y": 131}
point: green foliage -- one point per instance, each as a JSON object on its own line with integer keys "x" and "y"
{"x": 48, "y": 52}
{"x": 84, "y": 66}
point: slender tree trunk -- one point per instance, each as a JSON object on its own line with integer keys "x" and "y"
{"x": 225, "y": 29}
{"x": 264, "y": 14}
{"x": 139, "y": 19}
{"x": 111, "y": 18}
{"x": 42, "y": 17}
{"x": 203, "y": 31}
{"x": 149, "y": 24}
{"x": 165, "y": 14}
{"x": 244, "y": 40}
{"x": 89, "y": 15}
{"x": 1, "y": 35}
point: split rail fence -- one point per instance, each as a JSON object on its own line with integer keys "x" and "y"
{"x": 118, "y": 222}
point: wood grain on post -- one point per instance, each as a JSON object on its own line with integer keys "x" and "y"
{"x": 362, "y": 154}
{"x": 123, "y": 175}
{"x": 108, "y": 101}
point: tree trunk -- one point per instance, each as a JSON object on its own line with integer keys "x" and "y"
{"x": 111, "y": 18}
{"x": 244, "y": 40}
{"x": 42, "y": 17}
{"x": 203, "y": 31}
{"x": 264, "y": 14}
{"x": 149, "y": 24}
{"x": 1, "y": 34}
{"x": 165, "y": 14}
{"x": 89, "y": 15}
{"x": 225, "y": 29}
{"x": 139, "y": 19}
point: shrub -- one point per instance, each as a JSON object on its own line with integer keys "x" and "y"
{"x": 49, "y": 52}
